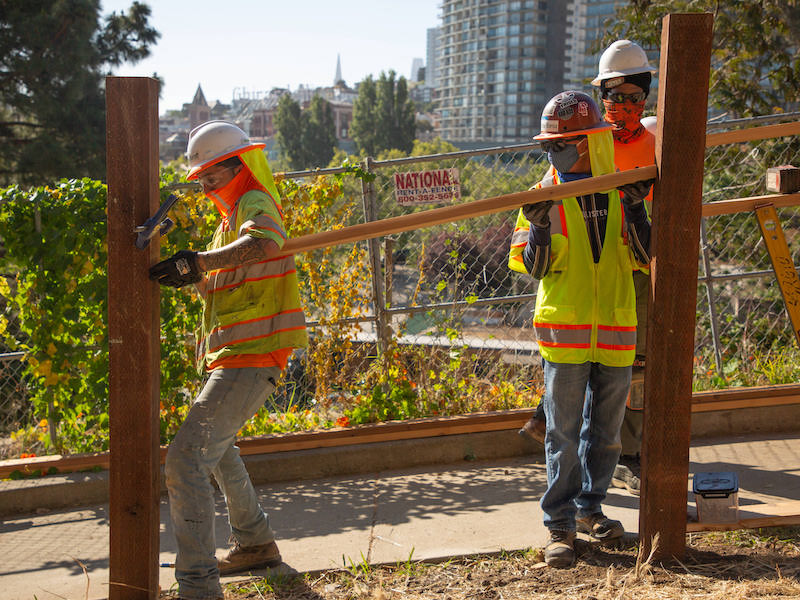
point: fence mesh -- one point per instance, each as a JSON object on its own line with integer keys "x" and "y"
{"x": 448, "y": 286}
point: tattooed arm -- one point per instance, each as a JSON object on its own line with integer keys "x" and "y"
{"x": 243, "y": 251}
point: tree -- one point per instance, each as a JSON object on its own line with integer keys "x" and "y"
{"x": 383, "y": 115}
{"x": 290, "y": 131}
{"x": 54, "y": 55}
{"x": 319, "y": 132}
{"x": 755, "y": 63}
{"x": 306, "y": 137}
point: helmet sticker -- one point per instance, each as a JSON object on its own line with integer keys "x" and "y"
{"x": 613, "y": 82}
{"x": 549, "y": 126}
{"x": 565, "y": 112}
{"x": 583, "y": 109}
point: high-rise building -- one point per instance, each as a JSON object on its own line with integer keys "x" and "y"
{"x": 500, "y": 61}
{"x": 416, "y": 65}
{"x": 431, "y": 58}
{"x": 586, "y": 25}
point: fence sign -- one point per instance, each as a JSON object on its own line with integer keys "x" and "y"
{"x": 427, "y": 187}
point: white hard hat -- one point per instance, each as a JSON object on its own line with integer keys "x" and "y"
{"x": 622, "y": 58}
{"x": 649, "y": 123}
{"x": 213, "y": 142}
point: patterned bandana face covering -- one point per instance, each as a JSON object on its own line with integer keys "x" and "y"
{"x": 625, "y": 117}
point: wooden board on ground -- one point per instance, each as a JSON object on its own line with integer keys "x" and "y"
{"x": 752, "y": 516}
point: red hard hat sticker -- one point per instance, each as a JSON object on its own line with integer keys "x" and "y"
{"x": 583, "y": 109}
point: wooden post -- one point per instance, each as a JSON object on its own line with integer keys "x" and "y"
{"x": 680, "y": 148}
{"x": 133, "y": 333}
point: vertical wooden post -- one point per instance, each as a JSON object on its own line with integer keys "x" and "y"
{"x": 133, "y": 333}
{"x": 680, "y": 150}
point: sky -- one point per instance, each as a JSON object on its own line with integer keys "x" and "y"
{"x": 261, "y": 44}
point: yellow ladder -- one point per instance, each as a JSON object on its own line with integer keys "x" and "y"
{"x": 782, "y": 263}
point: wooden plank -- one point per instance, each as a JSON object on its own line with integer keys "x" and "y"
{"x": 782, "y": 263}
{"x": 133, "y": 333}
{"x": 752, "y": 516}
{"x": 680, "y": 148}
{"x": 762, "y": 391}
{"x": 740, "y": 205}
{"x": 457, "y": 212}
{"x": 752, "y": 133}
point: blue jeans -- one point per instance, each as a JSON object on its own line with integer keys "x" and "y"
{"x": 584, "y": 405}
{"x": 203, "y": 446}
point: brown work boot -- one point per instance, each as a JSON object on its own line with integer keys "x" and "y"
{"x": 535, "y": 429}
{"x": 560, "y": 550}
{"x": 627, "y": 474}
{"x": 241, "y": 558}
{"x": 600, "y": 527}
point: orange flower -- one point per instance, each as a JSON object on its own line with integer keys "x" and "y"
{"x": 342, "y": 421}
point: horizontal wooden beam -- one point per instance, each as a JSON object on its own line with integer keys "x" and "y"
{"x": 752, "y": 133}
{"x": 753, "y": 516}
{"x": 739, "y": 205}
{"x": 404, "y": 430}
{"x": 466, "y": 210}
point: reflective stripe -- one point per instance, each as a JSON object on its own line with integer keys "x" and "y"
{"x": 263, "y": 223}
{"x": 558, "y": 221}
{"x": 225, "y": 279}
{"x": 252, "y": 329}
{"x": 520, "y": 237}
{"x": 562, "y": 335}
{"x": 616, "y": 338}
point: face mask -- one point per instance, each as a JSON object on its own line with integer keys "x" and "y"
{"x": 625, "y": 117}
{"x": 564, "y": 160}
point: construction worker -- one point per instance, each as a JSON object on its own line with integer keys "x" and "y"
{"x": 583, "y": 251}
{"x": 624, "y": 77}
{"x": 252, "y": 320}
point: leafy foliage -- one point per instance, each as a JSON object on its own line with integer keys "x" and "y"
{"x": 306, "y": 137}
{"x": 755, "y": 66}
{"x": 383, "y": 115}
{"x": 53, "y": 57}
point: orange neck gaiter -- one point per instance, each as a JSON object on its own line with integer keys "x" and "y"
{"x": 225, "y": 198}
{"x": 625, "y": 117}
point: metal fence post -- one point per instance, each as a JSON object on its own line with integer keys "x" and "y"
{"x": 371, "y": 214}
{"x": 712, "y": 308}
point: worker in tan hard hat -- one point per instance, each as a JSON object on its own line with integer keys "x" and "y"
{"x": 624, "y": 78}
{"x": 252, "y": 320}
{"x": 583, "y": 251}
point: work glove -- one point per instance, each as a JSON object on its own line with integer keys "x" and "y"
{"x": 178, "y": 270}
{"x": 635, "y": 193}
{"x": 537, "y": 214}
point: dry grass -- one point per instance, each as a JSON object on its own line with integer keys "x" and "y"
{"x": 731, "y": 566}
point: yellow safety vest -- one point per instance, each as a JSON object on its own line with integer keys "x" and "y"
{"x": 252, "y": 309}
{"x": 585, "y": 311}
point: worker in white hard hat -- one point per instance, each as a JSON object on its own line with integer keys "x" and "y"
{"x": 252, "y": 320}
{"x": 583, "y": 251}
{"x": 624, "y": 78}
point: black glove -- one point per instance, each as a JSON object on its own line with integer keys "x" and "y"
{"x": 178, "y": 270}
{"x": 537, "y": 213}
{"x": 635, "y": 193}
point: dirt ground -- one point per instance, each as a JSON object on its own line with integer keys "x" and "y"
{"x": 717, "y": 566}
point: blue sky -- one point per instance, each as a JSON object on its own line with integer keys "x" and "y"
{"x": 258, "y": 45}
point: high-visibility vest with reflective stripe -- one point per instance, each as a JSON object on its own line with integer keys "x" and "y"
{"x": 252, "y": 309}
{"x": 586, "y": 311}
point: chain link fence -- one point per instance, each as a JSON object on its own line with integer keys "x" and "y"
{"x": 448, "y": 286}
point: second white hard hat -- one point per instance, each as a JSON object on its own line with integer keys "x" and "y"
{"x": 622, "y": 58}
{"x": 214, "y": 141}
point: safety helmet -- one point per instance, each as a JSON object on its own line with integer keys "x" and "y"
{"x": 571, "y": 113}
{"x": 649, "y": 123}
{"x": 622, "y": 58}
{"x": 213, "y": 142}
